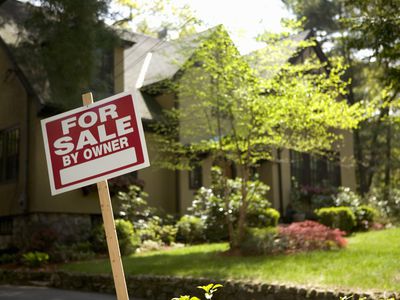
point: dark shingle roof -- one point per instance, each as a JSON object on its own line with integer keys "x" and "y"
{"x": 166, "y": 60}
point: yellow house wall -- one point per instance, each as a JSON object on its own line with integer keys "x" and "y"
{"x": 13, "y": 99}
{"x": 186, "y": 195}
{"x": 119, "y": 65}
{"x": 160, "y": 184}
{"x": 166, "y": 101}
{"x": 268, "y": 172}
{"x": 41, "y": 199}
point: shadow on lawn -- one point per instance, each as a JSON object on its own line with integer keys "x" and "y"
{"x": 213, "y": 264}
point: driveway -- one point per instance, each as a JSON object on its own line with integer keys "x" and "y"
{"x": 8, "y": 292}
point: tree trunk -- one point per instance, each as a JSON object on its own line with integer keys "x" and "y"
{"x": 361, "y": 169}
{"x": 373, "y": 162}
{"x": 242, "y": 210}
{"x": 388, "y": 165}
{"x": 229, "y": 224}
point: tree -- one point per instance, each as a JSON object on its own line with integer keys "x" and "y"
{"x": 375, "y": 27}
{"x": 321, "y": 15}
{"x": 62, "y": 46}
{"x": 240, "y": 114}
{"x": 160, "y": 18}
{"x": 351, "y": 26}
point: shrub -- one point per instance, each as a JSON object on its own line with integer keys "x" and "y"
{"x": 388, "y": 207}
{"x": 345, "y": 197}
{"x": 266, "y": 217}
{"x": 74, "y": 252}
{"x": 365, "y": 216}
{"x": 134, "y": 207}
{"x": 153, "y": 229}
{"x": 310, "y": 235}
{"x": 35, "y": 259}
{"x": 98, "y": 239}
{"x": 149, "y": 245}
{"x": 259, "y": 241}
{"x": 128, "y": 240}
{"x": 190, "y": 229}
{"x": 306, "y": 198}
{"x": 133, "y": 204}
{"x": 168, "y": 234}
{"x": 148, "y": 230}
{"x": 341, "y": 217}
{"x": 210, "y": 206}
{"x": 7, "y": 258}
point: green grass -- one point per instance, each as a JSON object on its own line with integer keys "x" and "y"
{"x": 371, "y": 261}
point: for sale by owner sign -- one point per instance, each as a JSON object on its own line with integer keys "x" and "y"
{"x": 93, "y": 143}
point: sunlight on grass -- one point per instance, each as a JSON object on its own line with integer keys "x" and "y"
{"x": 369, "y": 262}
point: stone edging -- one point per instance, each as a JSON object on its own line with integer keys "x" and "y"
{"x": 167, "y": 287}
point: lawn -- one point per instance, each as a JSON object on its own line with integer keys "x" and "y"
{"x": 370, "y": 262}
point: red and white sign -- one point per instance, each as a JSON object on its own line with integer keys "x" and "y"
{"x": 93, "y": 143}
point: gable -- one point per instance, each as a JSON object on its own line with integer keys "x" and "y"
{"x": 167, "y": 57}
{"x": 268, "y": 61}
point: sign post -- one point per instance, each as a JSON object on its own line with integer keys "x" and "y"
{"x": 109, "y": 228}
{"x": 91, "y": 144}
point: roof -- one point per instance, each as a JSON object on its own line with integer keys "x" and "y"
{"x": 276, "y": 57}
{"x": 167, "y": 57}
{"x": 166, "y": 60}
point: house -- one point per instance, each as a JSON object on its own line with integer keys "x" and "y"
{"x": 26, "y": 203}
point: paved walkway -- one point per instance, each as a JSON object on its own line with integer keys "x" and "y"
{"x": 8, "y": 292}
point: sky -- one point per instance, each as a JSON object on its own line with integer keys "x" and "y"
{"x": 243, "y": 19}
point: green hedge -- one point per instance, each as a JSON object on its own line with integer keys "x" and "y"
{"x": 259, "y": 241}
{"x": 340, "y": 217}
{"x": 190, "y": 229}
{"x": 365, "y": 216}
{"x": 267, "y": 217}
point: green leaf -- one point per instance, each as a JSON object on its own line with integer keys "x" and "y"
{"x": 206, "y": 288}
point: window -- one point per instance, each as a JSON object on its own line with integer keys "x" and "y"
{"x": 315, "y": 170}
{"x": 196, "y": 178}
{"x": 9, "y": 154}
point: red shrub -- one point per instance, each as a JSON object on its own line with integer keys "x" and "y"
{"x": 310, "y": 235}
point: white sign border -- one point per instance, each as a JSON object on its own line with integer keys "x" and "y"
{"x": 83, "y": 108}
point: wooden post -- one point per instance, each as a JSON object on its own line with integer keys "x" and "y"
{"x": 109, "y": 227}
